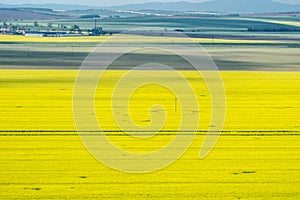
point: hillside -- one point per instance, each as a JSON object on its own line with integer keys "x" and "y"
{"x": 223, "y": 6}
{"x": 52, "y": 6}
{"x": 29, "y": 14}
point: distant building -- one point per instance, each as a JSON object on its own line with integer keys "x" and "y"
{"x": 5, "y": 30}
{"x": 19, "y": 32}
{"x": 34, "y": 34}
{"x": 12, "y": 31}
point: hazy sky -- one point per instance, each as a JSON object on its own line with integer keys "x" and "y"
{"x": 108, "y": 2}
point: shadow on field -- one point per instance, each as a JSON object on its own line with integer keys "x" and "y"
{"x": 26, "y": 59}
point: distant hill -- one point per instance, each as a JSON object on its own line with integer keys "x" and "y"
{"x": 30, "y": 14}
{"x": 49, "y": 6}
{"x": 222, "y": 6}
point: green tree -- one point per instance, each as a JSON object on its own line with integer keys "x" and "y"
{"x": 35, "y": 23}
{"x": 5, "y": 24}
{"x": 75, "y": 27}
{"x": 97, "y": 31}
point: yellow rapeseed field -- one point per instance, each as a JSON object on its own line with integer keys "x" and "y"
{"x": 284, "y": 22}
{"x": 97, "y": 39}
{"x": 291, "y": 23}
{"x": 257, "y": 155}
{"x": 30, "y": 39}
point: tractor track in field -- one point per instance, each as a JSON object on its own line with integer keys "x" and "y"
{"x": 245, "y": 133}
